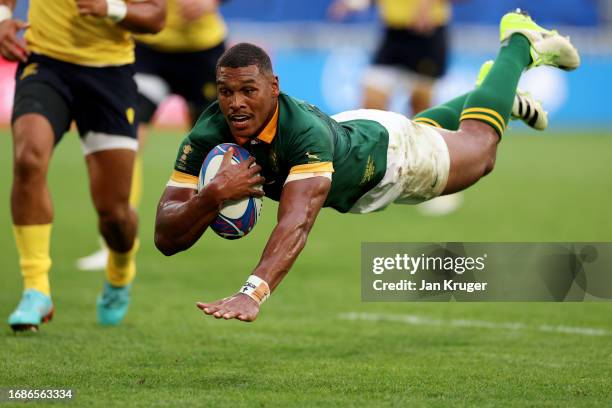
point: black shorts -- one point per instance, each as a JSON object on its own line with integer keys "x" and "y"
{"x": 188, "y": 74}
{"x": 102, "y": 101}
{"x": 421, "y": 54}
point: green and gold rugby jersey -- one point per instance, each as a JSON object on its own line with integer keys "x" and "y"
{"x": 298, "y": 139}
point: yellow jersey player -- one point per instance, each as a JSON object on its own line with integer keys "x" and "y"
{"x": 412, "y": 54}
{"x": 178, "y": 60}
{"x": 357, "y": 161}
{"x": 75, "y": 64}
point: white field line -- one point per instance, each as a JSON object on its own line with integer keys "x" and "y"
{"x": 479, "y": 324}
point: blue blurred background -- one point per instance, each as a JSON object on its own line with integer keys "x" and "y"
{"x": 322, "y": 61}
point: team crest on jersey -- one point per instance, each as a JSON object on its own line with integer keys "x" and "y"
{"x": 29, "y": 70}
{"x": 313, "y": 157}
{"x": 368, "y": 172}
{"x": 273, "y": 161}
{"x": 187, "y": 149}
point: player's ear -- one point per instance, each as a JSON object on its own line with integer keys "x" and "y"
{"x": 275, "y": 86}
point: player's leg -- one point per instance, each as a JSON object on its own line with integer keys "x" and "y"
{"x": 487, "y": 110}
{"x": 421, "y": 95}
{"x": 40, "y": 117}
{"x": 110, "y": 173}
{"x": 525, "y": 107}
{"x": 152, "y": 90}
{"x": 374, "y": 97}
{"x": 106, "y": 120}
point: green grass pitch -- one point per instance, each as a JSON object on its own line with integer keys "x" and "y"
{"x": 301, "y": 352}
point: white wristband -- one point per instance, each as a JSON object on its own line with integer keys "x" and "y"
{"x": 356, "y": 5}
{"x": 256, "y": 288}
{"x": 116, "y": 10}
{"x": 5, "y": 12}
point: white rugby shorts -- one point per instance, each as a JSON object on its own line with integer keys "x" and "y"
{"x": 418, "y": 162}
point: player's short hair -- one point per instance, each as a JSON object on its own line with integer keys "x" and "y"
{"x": 243, "y": 55}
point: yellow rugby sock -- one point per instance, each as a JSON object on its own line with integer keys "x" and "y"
{"x": 33, "y": 246}
{"x": 121, "y": 266}
{"x": 136, "y": 188}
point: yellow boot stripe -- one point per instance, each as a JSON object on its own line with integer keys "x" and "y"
{"x": 484, "y": 118}
{"x": 488, "y": 111}
{"x": 427, "y": 121}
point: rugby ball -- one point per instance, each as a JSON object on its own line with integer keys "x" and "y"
{"x": 236, "y": 218}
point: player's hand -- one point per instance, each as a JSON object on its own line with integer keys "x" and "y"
{"x": 12, "y": 47}
{"x": 237, "y": 181}
{"x": 95, "y": 8}
{"x": 191, "y": 10}
{"x": 239, "y": 306}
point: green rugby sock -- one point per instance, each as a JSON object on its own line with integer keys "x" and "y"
{"x": 444, "y": 116}
{"x": 492, "y": 102}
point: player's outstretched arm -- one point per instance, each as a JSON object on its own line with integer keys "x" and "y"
{"x": 300, "y": 203}
{"x": 142, "y": 16}
{"x": 183, "y": 214}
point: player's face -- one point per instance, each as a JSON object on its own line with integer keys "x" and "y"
{"x": 247, "y": 99}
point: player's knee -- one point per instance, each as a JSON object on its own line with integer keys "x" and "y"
{"x": 489, "y": 163}
{"x": 114, "y": 216}
{"x": 30, "y": 163}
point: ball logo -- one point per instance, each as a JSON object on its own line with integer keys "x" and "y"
{"x": 236, "y": 217}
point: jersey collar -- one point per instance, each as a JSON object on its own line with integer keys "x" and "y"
{"x": 268, "y": 132}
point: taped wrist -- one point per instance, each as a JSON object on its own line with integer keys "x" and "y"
{"x": 256, "y": 288}
{"x": 5, "y": 12}
{"x": 116, "y": 10}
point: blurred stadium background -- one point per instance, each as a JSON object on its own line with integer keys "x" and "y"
{"x": 315, "y": 343}
{"x": 322, "y": 61}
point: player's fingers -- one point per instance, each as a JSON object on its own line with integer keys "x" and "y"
{"x": 23, "y": 46}
{"x": 208, "y": 309}
{"x": 15, "y": 53}
{"x": 227, "y": 156}
{"x": 256, "y": 192}
{"x": 230, "y": 315}
{"x": 249, "y": 162}
{"x": 245, "y": 317}
{"x": 255, "y": 169}
{"x": 9, "y": 56}
{"x": 256, "y": 180}
{"x": 21, "y": 25}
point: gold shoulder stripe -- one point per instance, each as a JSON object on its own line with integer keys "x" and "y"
{"x": 427, "y": 121}
{"x": 484, "y": 118}
{"x": 181, "y": 177}
{"x": 311, "y": 168}
{"x": 486, "y": 110}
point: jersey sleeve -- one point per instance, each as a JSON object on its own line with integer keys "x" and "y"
{"x": 187, "y": 165}
{"x": 311, "y": 152}
{"x": 206, "y": 134}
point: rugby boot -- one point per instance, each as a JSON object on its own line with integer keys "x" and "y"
{"x": 112, "y": 304}
{"x": 34, "y": 309}
{"x": 548, "y": 47}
